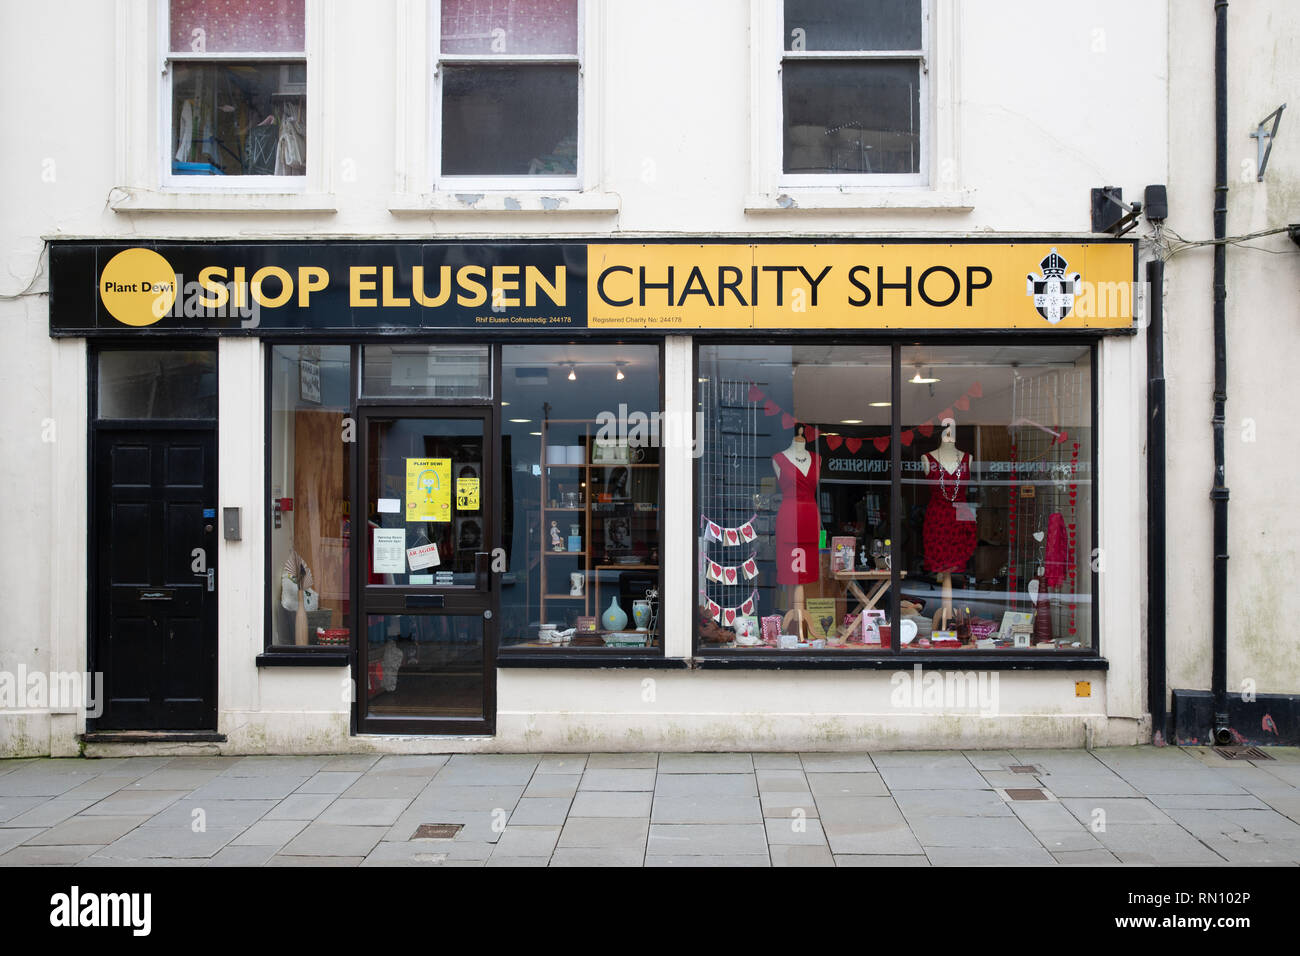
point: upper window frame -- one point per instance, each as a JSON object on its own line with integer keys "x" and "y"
{"x": 438, "y": 60}
{"x": 168, "y": 59}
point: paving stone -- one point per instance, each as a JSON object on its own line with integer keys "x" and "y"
{"x": 1286, "y": 804}
{"x": 330, "y": 781}
{"x": 83, "y": 830}
{"x": 1121, "y": 759}
{"x": 776, "y": 761}
{"x": 858, "y": 809}
{"x": 49, "y": 812}
{"x": 11, "y": 807}
{"x": 866, "y": 825}
{"x": 348, "y": 812}
{"x": 1084, "y": 785}
{"x": 597, "y": 856}
{"x": 706, "y": 763}
{"x": 1263, "y": 853}
{"x": 706, "y": 809}
{"x": 952, "y": 803}
{"x": 131, "y": 802}
{"x": 413, "y": 765}
{"x": 773, "y": 781}
{"x": 520, "y": 861}
{"x": 553, "y": 785}
{"x": 1066, "y": 762}
{"x": 1097, "y": 857}
{"x": 477, "y": 826}
{"x": 540, "y": 811}
{"x": 168, "y": 842}
{"x": 895, "y": 859}
{"x": 97, "y": 788}
{"x": 837, "y": 763}
{"x": 232, "y": 855}
{"x": 350, "y": 762}
{"x": 10, "y": 838}
{"x": 168, "y": 779}
{"x": 220, "y": 813}
{"x": 794, "y": 832}
{"x": 277, "y": 766}
{"x": 921, "y": 760}
{"x": 992, "y": 760}
{"x": 1005, "y": 778}
{"x": 972, "y": 832}
{"x": 705, "y": 839}
{"x": 249, "y": 788}
{"x": 622, "y": 761}
{"x": 1046, "y": 816}
{"x": 1158, "y": 845}
{"x": 27, "y": 782}
{"x": 711, "y": 862}
{"x": 615, "y": 803}
{"x": 1117, "y": 811}
{"x": 272, "y": 833}
{"x": 479, "y": 770}
{"x": 720, "y": 785}
{"x": 806, "y": 855}
{"x": 606, "y": 832}
{"x": 1207, "y": 801}
{"x": 1180, "y": 781}
{"x": 427, "y": 853}
{"x": 989, "y": 856}
{"x": 300, "y": 806}
{"x": 208, "y": 762}
{"x": 483, "y": 799}
{"x": 61, "y": 855}
{"x": 936, "y": 778}
{"x": 327, "y": 839}
{"x": 388, "y": 786}
{"x": 279, "y": 860}
{"x": 566, "y": 764}
{"x": 1250, "y": 825}
{"x": 527, "y": 841}
{"x": 1064, "y": 841}
{"x": 617, "y": 780}
{"x": 1286, "y": 772}
{"x": 847, "y": 784}
{"x": 785, "y": 805}
{"x": 168, "y": 862}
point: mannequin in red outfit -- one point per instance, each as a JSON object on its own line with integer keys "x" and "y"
{"x": 949, "y": 540}
{"x": 798, "y": 525}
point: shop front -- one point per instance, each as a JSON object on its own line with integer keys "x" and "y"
{"x": 506, "y": 487}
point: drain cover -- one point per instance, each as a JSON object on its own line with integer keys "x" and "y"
{"x": 437, "y": 831}
{"x": 1242, "y": 753}
{"x": 1025, "y": 793}
{"x": 1024, "y": 768}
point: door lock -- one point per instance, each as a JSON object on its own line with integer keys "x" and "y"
{"x": 487, "y": 615}
{"x": 212, "y": 579}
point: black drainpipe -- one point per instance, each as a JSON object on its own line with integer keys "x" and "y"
{"x": 1156, "y": 598}
{"x": 1219, "y": 493}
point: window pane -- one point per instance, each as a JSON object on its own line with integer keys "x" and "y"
{"x": 584, "y": 529}
{"x": 510, "y": 121}
{"x": 155, "y": 384}
{"x": 852, "y": 117}
{"x": 510, "y": 26}
{"x": 427, "y": 371}
{"x": 997, "y": 492}
{"x": 794, "y": 490}
{"x": 239, "y": 119}
{"x": 310, "y": 469}
{"x": 237, "y": 26}
{"x": 425, "y": 664}
{"x": 853, "y": 24}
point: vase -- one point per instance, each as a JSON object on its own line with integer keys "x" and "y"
{"x": 614, "y": 618}
{"x": 641, "y": 614}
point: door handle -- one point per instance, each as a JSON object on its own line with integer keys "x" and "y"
{"x": 482, "y": 569}
{"x": 212, "y": 579}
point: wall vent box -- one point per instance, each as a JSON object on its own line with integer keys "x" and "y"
{"x": 230, "y": 524}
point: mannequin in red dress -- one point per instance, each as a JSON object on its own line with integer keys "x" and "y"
{"x": 798, "y": 524}
{"x": 949, "y": 541}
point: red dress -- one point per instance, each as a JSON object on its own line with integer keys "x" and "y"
{"x": 949, "y": 542}
{"x": 798, "y": 522}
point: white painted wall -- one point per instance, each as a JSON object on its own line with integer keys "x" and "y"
{"x": 1038, "y": 104}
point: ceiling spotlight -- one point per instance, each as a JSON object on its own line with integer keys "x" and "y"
{"x": 879, "y": 404}
{"x": 850, "y": 421}
{"x": 919, "y": 379}
{"x": 618, "y": 375}
{"x": 521, "y": 421}
{"x": 573, "y": 376}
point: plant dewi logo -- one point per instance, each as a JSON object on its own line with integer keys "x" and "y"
{"x": 137, "y": 287}
{"x": 1053, "y": 291}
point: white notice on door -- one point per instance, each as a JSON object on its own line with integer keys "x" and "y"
{"x": 390, "y": 506}
{"x": 423, "y": 556}
{"x": 387, "y": 556}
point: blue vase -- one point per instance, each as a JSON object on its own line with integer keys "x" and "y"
{"x": 614, "y": 618}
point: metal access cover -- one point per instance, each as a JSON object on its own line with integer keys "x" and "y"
{"x": 437, "y": 831}
{"x": 1024, "y": 768}
{"x": 1242, "y": 753}
{"x": 1026, "y": 793}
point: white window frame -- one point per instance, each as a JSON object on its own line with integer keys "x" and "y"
{"x": 173, "y": 182}
{"x": 937, "y": 185}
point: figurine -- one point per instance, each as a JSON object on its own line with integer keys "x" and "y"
{"x": 557, "y": 544}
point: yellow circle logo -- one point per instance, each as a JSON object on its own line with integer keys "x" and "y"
{"x": 138, "y": 287}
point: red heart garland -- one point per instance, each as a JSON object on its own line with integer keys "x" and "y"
{"x": 926, "y": 430}
{"x": 787, "y": 420}
{"x": 1060, "y": 439}
{"x": 946, "y": 413}
{"x": 730, "y": 574}
{"x": 770, "y": 408}
{"x": 853, "y": 444}
{"x": 880, "y": 443}
{"x": 905, "y": 437}
{"x": 733, "y": 537}
{"x": 755, "y": 393}
{"x": 833, "y": 442}
{"x": 975, "y": 391}
{"x": 729, "y": 615}
{"x": 810, "y": 433}
{"x": 963, "y": 403}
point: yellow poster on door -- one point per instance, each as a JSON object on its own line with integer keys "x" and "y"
{"x": 428, "y": 489}
{"x": 467, "y": 494}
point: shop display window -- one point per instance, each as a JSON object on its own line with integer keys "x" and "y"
{"x": 852, "y": 76}
{"x": 509, "y": 75}
{"x": 235, "y": 117}
{"x": 310, "y": 487}
{"x": 581, "y": 442}
{"x": 992, "y": 544}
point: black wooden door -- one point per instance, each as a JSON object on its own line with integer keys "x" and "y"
{"x": 155, "y": 551}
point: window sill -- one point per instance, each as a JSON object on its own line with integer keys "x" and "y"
{"x": 941, "y": 660}
{"x": 126, "y": 199}
{"x": 591, "y": 661}
{"x": 510, "y": 202}
{"x": 304, "y": 659}
{"x": 847, "y": 199}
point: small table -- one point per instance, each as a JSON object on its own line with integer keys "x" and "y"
{"x": 865, "y": 601}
